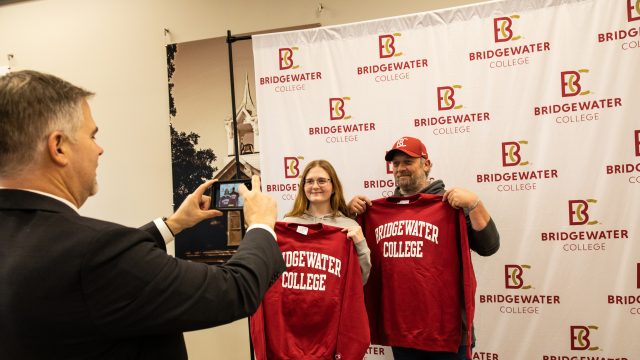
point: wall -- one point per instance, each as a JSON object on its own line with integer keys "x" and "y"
{"x": 516, "y": 127}
{"x": 116, "y": 49}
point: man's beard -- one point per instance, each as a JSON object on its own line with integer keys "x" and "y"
{"x": 409, "y": 185}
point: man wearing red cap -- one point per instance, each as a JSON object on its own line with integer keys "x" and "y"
{"x": 411, "y": 167}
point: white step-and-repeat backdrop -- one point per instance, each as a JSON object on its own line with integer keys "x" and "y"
{"x": 534, "y": 105}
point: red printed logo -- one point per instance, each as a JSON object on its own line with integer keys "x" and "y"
{"x": 386, "y": 45}
{"x": 513, "y": 276}
{"x": 633, "y": 10}
{"x": 570, "y": 83}
{"x": 502, "y": 29}
{"x": 445, "y": 97}
{"x": 637, "y": 138}
{"x": 292, "y": 166}
{"x": 285, "y": 56}
{"x": 389, "y": 167}
{"x": 578, "y": 212}
{"x": 580, "y": 337}
{"x": 336, "y": 108}
{"x": 511, "y": 153}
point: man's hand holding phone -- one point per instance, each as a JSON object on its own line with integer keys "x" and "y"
{"x": 258, "y": 207}
{"x": 193, "y": 209}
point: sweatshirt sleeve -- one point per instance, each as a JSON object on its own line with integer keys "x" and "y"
{"x": 258, "y": 336}
{"x": 364, "y": 258}
{"x": 484, "y": 242}
{"x": 353, "y": 330}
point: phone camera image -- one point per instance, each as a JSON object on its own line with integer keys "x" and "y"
{"x": 227, "y": 194}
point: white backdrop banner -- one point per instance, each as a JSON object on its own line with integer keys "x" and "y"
{"x": 534, "y": 105}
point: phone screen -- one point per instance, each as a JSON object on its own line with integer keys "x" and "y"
{"x": 227, "y": 194}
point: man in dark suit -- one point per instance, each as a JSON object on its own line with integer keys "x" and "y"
{"x": 73, "y": 287}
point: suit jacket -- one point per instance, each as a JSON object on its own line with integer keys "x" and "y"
{"x": 73, "y": 287}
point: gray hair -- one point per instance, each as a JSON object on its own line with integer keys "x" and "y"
{"x": 426, "y": 172}
{"x": 32, "y": 106}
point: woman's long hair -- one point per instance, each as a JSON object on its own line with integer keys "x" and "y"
{"x": 337, "y": 197}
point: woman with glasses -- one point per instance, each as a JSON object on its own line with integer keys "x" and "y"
{"x": 320, "y": 200}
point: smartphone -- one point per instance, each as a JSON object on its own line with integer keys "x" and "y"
{"x": 226, "y": 196}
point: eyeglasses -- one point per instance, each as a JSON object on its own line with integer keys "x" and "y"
{"x": 319, "y": 181}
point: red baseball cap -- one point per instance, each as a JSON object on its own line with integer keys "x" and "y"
{"x": 408, "y": 145}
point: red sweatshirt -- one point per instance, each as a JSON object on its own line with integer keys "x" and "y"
{"x": 421, "y": 263}
{"x": 315, "y": 310}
